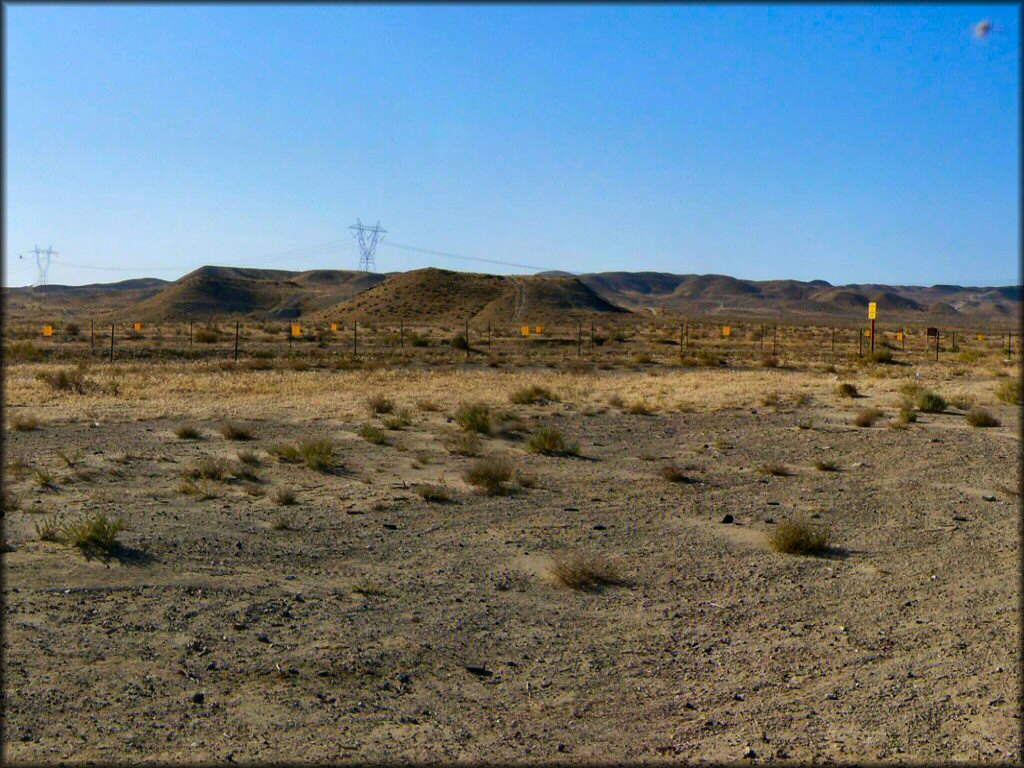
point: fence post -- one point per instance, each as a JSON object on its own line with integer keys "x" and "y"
{"x": 591, "y": 334}
{"x": 488, "y": 336}
{"x": 290, "y": 334}
{"x": 833, "y": 341}
{"x": 401, "y": 334}
{"x": 680, "y": 341}
{"x": 111, "y": 342}
{"x": 92, "y": 338}
{"x": 760, "y": 338}
{"x": 467, "y": 339}
{"x": 579, "y": 340}
{"x": 775, "y": 339}
{"x": 236, "y": 340}
{"x": 355, "y": 338}
{"x": 190, "y": 333}
{"x": 938, "y": 333}
{"x": 860, "y": 342}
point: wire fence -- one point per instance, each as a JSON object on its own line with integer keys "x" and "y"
{"x": 700, "y": 341}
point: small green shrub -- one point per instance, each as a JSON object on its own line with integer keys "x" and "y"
{"x": 398, "y": 420}
{"x": 474, "y": 417}
{"x": 94, "y": 536}
{"x": 48, "y": 529}
{"x": 23, "y": 352}
{"x": 42, "y": 478}
{"x": 372, "y": 434}
{"x": 209, "y": 468}
{"x": 465, "y": 444}
{"x": 551, "y": 442}
{"x": 882, "y": 356}
{"x": 285, "y": 453}
{"x": 205, "y": 335}
{"x": 248, "y": 457}
{"x": 798, "y": 537}
{"x": 459, "y": 341}
{"x": 930, "y": 402}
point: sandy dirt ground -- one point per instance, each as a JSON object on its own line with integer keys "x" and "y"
{"x": 366, "y": 623}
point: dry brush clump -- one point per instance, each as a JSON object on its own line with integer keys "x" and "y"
{"x": 847, "y": 390}
{"x": 586, "y": 572}
{"x": 373, "y": 434}
{"x": 798, "y": 537}
{"x": 474, "y": 417}
{"x": 230, "y": 430}
{"x": 94, "y": 535}
{"x": 1011, "y": 391}
{"x": 23, "y": 422}
{"x": 674, "y": 473}
{"x": 775, "y": 469}
{"x": 491, "y": 475}
{"x": 866, "y": 417}
{"x": 533, "y": 395}
{"x": 979, "y": 417}
{"x": 285, "y": 497}
{"x": 436, "y": 494}
{"x": 550, "y": 441}
{"x": 187, "y": 432}
{"x": 380, "y": 405}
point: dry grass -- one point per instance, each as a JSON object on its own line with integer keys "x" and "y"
{"x": 847, "y": 390}
{"x": 798, "y": 537}
{"x": 318, "y": 454}
{"x": 69, "y": 380}
{"x": 248, "y": 457}
{"x": 209, "y": 468}
{"x": 1011, "y": 391}
{"x": 285, "y": 497}
{"x": 23, "y": 423}
{"x": 464, "y": 444}
{"x": 532, "y": 395}
{"x": 585, "y": 572}
{"x": 824, "y": 465}
{"x": 775, "y": 469}
{"x": 675, "y": 474}
{"x": 372, "y": 434}
{"x": 399, "y": 420}
{"x": 379, "y": 404}
{"x": 285, "y": 453}
{"x": 930, "y": 402}
{"x": 93, "y": 536}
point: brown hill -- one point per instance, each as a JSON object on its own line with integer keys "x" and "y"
{"x": 442, "y": 296}
{"x": 260, "y": 293}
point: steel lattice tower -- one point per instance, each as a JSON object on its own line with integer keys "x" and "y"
{"x": 368, "y": 238}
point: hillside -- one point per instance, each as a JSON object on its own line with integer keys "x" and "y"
{"x": 698, "y": 295}
{"x": 260, "y": 293}
{"x": 443, "y": 296}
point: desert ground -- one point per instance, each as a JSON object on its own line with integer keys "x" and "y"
{"x": 347, "y": 560}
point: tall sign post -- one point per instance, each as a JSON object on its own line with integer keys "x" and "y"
{"x": 872, "y": 311}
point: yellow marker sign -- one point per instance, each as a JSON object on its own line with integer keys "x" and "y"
{"x": 334, "y": 327}
{"x": 47, "y": 330}
{"x": 981, "y": 337}
{"x": 296, "y": 329}
{"x": 899, "y": 335}
{"x": 526, "y": 330}
{"x": 726, "y": 330}
{"x": 867, "y": 332}
{"x": 872, "y": 311}
{"x": 138, "y": 326}
{"x": 539, "y": 329}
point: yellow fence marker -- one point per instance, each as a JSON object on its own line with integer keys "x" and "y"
{"x": 981, "y": 337}
{"x": 138, "y": 326}
{"x": 867, "y": 332}
{"x": 334, "y": 327}
{"x": 47, "y": 330}
{"x": 872, "y": 311}
{"x": 539, "y": 329}
{"x": 899, "y": 335}
{"x": 296, "y": 329}
{"x": 726, "y": 330}
{"x": 526, "y": 330}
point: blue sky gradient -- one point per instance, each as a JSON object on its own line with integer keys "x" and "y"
{"x": 845, "y": 143}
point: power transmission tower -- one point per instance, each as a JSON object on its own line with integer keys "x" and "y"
{"x": 368, "y": 238}
{"x": 42, "y": 262}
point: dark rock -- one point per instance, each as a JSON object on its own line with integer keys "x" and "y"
{"x": 727, "y": 519}
{"x": 198, "y": 697}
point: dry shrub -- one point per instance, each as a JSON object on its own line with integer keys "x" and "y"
{"x": 769, "y": 361}
{"x": 373, "y": 434}
{"x": 398, "y": 420}
{"x": 318, "y": 454}
{"x": 533, "y": 394}
{"x": 979, "y": 417}
{"x": 285, "y": 453}
{"x": 94, "y": 536}
{"x": 585, "y": 572}
{"x": 230, "y": 430}
{"x": 474, "y": 417}
{"x": 187, "y": 432}
{"x": 930, "y": 402}
{"x": 379, "y": 404}
{"x": 866, "y": 417}
{"x": 284, "y": 496}
{"x": 23, "y": 423}
{"x": 824, "y": 465}
{"x": 675, "y": 474}
{"x": 640, "y": 408}
{"x": 464, "y": 444}
{"x": 798, "y": 537}
{"x": 489, "y": 474}
{"x": 846, "y": 390}
{"x": 550, "y": 441}
{"x": 1011, "y": 391}
{"x": 437, "y": 494}
{"x": 248, "y": 457}
{"x": 775, "y": 469}
{"x": 71, "y": 380}
{"x": 209, "y": 468}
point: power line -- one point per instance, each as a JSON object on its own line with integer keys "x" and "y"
{"x": 475, "y": 258}
{"x": 368, "y": 238}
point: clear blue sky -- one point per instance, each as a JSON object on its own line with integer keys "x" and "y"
{"x": 851, "y": 144}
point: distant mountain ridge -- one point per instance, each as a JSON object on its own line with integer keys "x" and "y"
{"x": 439, "y": 295}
